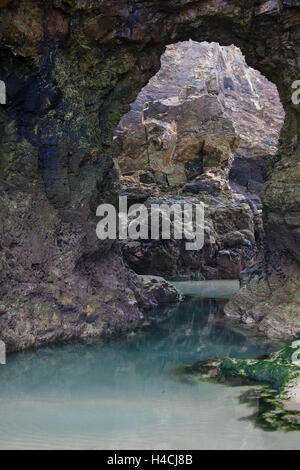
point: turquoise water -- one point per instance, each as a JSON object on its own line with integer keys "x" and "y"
{"x": 119, "y": 394}
{"x": 208, "y": 289}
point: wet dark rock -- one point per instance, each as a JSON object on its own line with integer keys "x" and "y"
{"x": 200, "y": 187}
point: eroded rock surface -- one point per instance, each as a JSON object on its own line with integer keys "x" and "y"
{"x": 232, "y": 233}
{"x": 270, "y": 299}
{"x": 199, "y": 113}
{"x": 71, "y": 70}
{"x": 178, "y": 140}
{"x": 188, "y": 69}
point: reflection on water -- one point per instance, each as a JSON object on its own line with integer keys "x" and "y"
{"x": 119, "y": 393}
{"x": 208, "y": 289}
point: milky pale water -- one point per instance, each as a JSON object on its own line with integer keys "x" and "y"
{"x": 119, "y": 393}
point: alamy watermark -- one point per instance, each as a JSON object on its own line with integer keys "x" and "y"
{"x": 296, "y": 354}
{"x": 2, "y": 92}
{"x": 182, "y": 221}
{"x": 296, "y": 93}
{"x": 2, "y": 344}
{"x": 2, "y": 353}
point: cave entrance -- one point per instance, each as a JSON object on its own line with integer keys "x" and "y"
{"x": 205, "y": 126}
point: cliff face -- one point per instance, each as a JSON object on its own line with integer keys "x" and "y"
{"x": 180, "y": 139}
{"x": 177, "y": 140}
{"x": 250, "y": 102}
{"x": 71, "y": 70}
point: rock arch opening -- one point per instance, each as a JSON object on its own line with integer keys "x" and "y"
{"x": 206, "y": 126}
{"x": 68, "y": 84}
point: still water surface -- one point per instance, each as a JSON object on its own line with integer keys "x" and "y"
{"x": 119, "y": 394}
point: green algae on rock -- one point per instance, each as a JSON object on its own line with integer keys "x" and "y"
{"x": 271, "y": 413}
{"x": 278, "y": 376}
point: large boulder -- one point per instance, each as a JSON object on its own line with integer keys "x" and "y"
{"x": 232, "y": 235}
{"x": 185, "y": 143}
{"x": 249, "y": 100}
{"x": 176, "y": 135}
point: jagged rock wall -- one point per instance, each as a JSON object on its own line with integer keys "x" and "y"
{"x": 249, "y": 100}
{"x": 203, "y": 111}
{"x": 72, "y": 68}
{"x": 177, "y": 140}
{"x": 232, "y": 234}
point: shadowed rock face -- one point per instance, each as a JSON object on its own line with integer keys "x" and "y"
{"x": 232, "y": 234}
{"x": 71, "y": 70}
